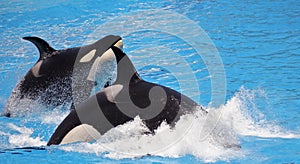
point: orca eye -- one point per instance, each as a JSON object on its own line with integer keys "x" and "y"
{"x": 106, "y": 84}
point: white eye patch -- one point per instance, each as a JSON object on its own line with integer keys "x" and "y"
{"x": 36, "y": 69}
{"x": 88, "y": 57}
{"x": 119, "y": 44}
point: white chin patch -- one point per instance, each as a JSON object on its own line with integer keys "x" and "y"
{"x": 81, "y": 133}
{"x": 88, "y": 57}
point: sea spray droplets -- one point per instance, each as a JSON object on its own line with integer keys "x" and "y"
{"x": 247, "y": 119}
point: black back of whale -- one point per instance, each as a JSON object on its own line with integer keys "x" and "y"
{"x": 55, "y": 70}
{"x": 51, "y": 82}
{"x": 103, "y": 111}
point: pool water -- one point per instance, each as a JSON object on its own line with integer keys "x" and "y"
{"x": 258, "y": 43}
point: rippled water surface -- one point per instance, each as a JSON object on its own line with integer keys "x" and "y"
{"x": 258, "y": 42}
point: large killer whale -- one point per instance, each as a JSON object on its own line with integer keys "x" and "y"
{"x": 57, "y": 73}
{"x": 129, "y": 96}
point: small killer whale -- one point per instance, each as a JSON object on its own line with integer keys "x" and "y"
{"x": 57, "y": 72}
{"x": 129, "y": 96}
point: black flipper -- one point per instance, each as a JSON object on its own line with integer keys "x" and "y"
{"x": 70, "y": 122}
{"x": 42, "y": 45}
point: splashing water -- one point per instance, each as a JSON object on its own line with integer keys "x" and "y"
{"x": 23, "y": 137}
{"x": 231, "y": 121}
{"x": 248, "y": 120}
{"x": 209, "y": 137}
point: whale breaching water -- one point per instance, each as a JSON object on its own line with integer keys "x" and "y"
{"x": 129, "y": 96}
{"x": 57, "y": 73}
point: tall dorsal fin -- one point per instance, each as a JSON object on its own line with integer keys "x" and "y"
{"x": 126, "y": 71}
{"x": 43, "y": 47}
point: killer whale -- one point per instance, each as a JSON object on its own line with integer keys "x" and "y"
{"x": 51, "y": 78}
{"x": 129, "y": 96}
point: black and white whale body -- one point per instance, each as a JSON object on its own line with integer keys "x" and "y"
{"x": 57, "y": 72}
{"x": 128, "y": 97}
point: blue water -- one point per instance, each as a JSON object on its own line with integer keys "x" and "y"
{"x": 258, "y": 42}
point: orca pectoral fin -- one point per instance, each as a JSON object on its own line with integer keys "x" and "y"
{"x": 72, "y": 130}
{"x": 43, "y": 47}
{"x": 69, "y": 123}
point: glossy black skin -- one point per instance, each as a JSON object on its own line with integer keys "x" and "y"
{"x": 103, "y": 114}
{"x": 53, "y": 85}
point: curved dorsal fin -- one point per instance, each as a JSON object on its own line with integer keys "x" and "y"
{"x": 126, "y": 71}
{"x": 42, "y": 45}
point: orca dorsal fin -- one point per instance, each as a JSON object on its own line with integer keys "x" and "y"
{"x": 43, "y": 47}
{"x": 126, "y": 71}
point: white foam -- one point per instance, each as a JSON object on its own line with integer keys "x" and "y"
{"x": 129, "y": 141}
{"x": 23, "y": 138}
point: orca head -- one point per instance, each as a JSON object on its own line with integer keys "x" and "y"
{"x": 57, "y": 65}
{"x": 104, "y": 67}
{"x": 52, "y": 62}
{"x": 115, "y": 65}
